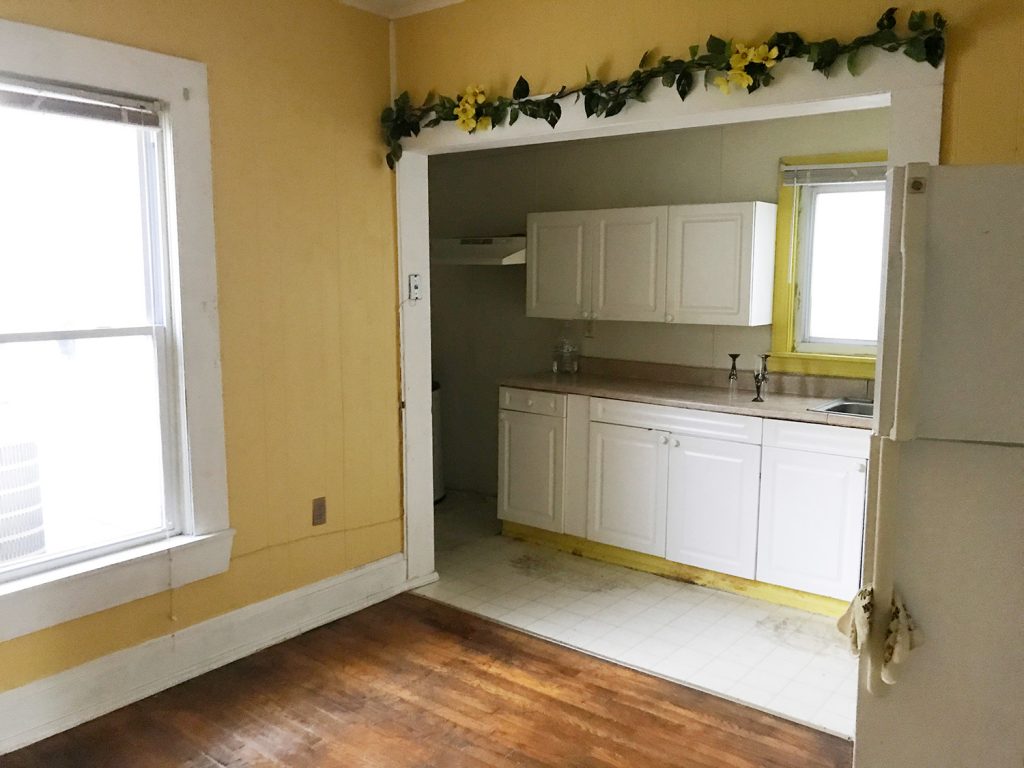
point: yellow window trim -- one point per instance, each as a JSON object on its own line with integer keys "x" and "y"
{"x": 784, "y": 357}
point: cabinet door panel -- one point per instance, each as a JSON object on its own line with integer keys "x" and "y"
{"x": 629, "y": 264}
{"x": 811, "y": 521}
{"x": 556, "y": 269}
{"x": 627, "y": 484}
{"x": 530, "y": 462}
{"x": 708, "y": 273}
{"x": 712, "y": 504}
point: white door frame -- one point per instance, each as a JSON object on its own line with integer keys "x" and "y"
{"x": 911, "y": 90}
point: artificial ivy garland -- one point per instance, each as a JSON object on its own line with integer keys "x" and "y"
{"x": 739, "y": 65}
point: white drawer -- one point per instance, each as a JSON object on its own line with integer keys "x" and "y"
{"x": 684, "y": 421}
{"x": 532, "y": 401}
{"x": 819, "y": 438}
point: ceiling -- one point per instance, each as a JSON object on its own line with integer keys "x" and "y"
{"x": 394, "y": 9}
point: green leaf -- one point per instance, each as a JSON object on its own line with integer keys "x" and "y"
{"x": 788, "y": 43}
{"x": 387, "y": 115}
{"x": 554, "y": 113}
{"x": 684, "y": 84}
{"x": 589, "y": 78}
{"x": 915, "y": 49}
{"x": 823, "y": 55}
{"x": 390, "y": 159}
{"x": 717, "y": 45}
{"x": 934, "y": 49}
{"x": 591, "y": 101}
{"x": 667, "y": 79}
{"x": 522, "y": 89}
{"x": 916, "y": 21}
{"x": 513, "y": 116}
{"x": 938, "y": 21}
{"x": 615, "y": 107}
{"x": 888, "y": 20}
{"x": 851, "y": 61}
{"x": 644, "y": 60}
{"x": 694, "y": 50}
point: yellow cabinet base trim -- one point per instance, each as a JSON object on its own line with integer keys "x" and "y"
{"x": 826, "y": 606}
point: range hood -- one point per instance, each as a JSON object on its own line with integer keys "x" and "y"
{"x": 492, "y": 251}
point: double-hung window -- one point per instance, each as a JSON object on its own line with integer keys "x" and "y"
{"x": 839, "y": 257}
{"x": 87, "y": 429}
{"x": 112, "y": 469}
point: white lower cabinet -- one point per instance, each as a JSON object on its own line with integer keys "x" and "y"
{"x": 531, "y": 469}
{"x": 712, "y": 504}
{"x": 627, "y": 485}
{"x": 774, "y": 501}
{"x": 811, "y": 524}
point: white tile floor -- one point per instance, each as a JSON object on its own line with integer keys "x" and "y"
{"x": 777, "y": 659}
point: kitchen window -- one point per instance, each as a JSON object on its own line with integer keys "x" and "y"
{"x": 841, "y": 213}
{"x": 831, "y": 228}
{"x": 112, "y": 486}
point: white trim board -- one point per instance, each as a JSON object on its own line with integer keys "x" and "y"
{"x": 45, "y": 707}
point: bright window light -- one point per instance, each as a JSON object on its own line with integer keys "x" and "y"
{"x": 841, "y": 266}
{"x": 84, "y": 435}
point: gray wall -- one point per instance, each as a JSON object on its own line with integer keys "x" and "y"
{"x": 480, "y": 331}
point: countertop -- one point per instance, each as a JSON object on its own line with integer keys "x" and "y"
{"x": 775, "y": 406}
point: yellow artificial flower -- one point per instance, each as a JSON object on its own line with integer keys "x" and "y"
{"x": 465, "y": 110}
{"x": 466, "y": 123}
{"x": 474, "y": 94}
{"x": 740, "y": 78}
{"x": 741, "y": 57}
{"x": 722, "y": 83}
{"x": 483, "y": 124}
{"x": 764, "y": 55}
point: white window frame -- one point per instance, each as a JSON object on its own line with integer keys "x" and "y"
{"x": 202, "y": 544}
{"x": 804, "y": 343}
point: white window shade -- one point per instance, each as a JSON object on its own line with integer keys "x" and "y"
{"x": 61, "y": 100}
{"x": 806, "y": 175}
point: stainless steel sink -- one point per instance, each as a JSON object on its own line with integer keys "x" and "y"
{"x": 848, "y": 406}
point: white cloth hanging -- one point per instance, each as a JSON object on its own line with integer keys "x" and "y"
{"x": 901, "y": 637}
{"x": 855, "y": 623}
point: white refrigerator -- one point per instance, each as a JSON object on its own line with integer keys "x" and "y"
{"x": 946, "y": 505}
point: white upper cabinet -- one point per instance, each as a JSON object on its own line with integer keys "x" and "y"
{"x": 699, "y": 264}
{"x": 557, "y": 266}
{"x": 628, "y": 266}
{"x": 721, "y": 263}
{"x": 712, "y": 504}
{"x": 628, "y": 480}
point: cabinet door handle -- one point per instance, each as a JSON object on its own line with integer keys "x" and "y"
{"x": 676, "y": 443}
{"x": 529, "y": 402}
{"x": 862, "y": 468}
{"x": 586, "y": 315}
{"x": 664, "y": 439}
{"x": 669, "y": 318}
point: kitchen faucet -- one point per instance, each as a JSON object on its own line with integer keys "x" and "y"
{"x": 760, "y": 379}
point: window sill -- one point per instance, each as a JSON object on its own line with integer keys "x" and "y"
{"x": 53, "y": 597}
{"x": 817, "y": 364}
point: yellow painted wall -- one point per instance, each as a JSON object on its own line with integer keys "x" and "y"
{"x": 305, "y": 254}
{"x": 491, "y": 42}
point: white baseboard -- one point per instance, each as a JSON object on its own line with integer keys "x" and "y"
{"x": 54, "y": 704}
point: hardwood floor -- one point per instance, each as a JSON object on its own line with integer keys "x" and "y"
{"x": 410, "y": 683}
